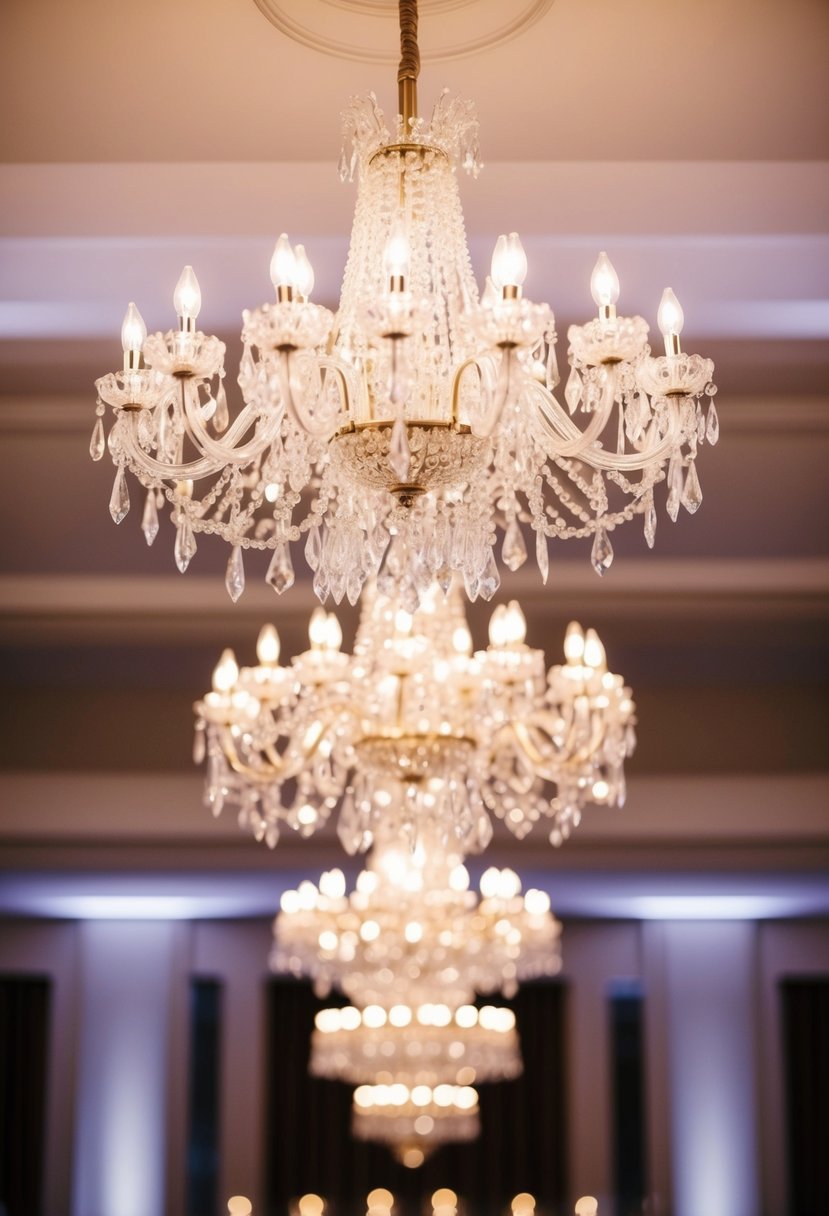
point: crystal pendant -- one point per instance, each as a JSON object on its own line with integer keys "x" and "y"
{"x": 353, "y": 585}
{"x": 149, "y": 520}
{"x": 235, "y": 574}
{"x": 221, "y": 417}
{"x": 692, "y": 493}
{"x": 198, "y": 745}
{"x": 490, "y": 579}
{"x": 601, "y": 555}
{"x": 119, "y": 502}
{"x": 674, "y": 486}
{"x": 573, "y": 391}
{"x": 650, "y": 522}
{"x": 280, "y": 574}
{"x": 97, "y": 443}
{"x": 185, "y": 547}
{"x": 514, "y": 549}
{"x": 712, "y": 428}
{"x": 542, "y": 555}
{"x": 313, "y": 547}
{"x": 400, "y": 457}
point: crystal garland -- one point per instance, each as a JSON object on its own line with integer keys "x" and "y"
{"x": 413, "y": 933}
{"x": 413, "y": 732}
{"x": 421, "y": 419}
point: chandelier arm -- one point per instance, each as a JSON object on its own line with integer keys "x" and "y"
{"x": 299, "y": 415}
{"x": 218, "y": 449}
{"x": 576, "y": 442}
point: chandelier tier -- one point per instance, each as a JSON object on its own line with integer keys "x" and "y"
{"x": 412, "y": 1130}
{"x": 414, "y": 733}
{"x": 412, "y": 933}
{"x": 405, "y": 432}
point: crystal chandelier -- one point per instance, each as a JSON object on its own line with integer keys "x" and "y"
{"x": 414, "y": 732}
{"x": 413, "y": 933}
{"x": 413, "y": 1123}
{"x": 404, "y": 432}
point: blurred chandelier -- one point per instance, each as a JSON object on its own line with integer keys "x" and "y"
{"x": 414, "y": 734}
{"x": 413, "y": 1129}
{"x": 413, "y": 933}
{"x": 405, "y": 431}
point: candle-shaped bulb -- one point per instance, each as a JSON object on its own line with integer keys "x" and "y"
{"x": 509, "y": 262}
{"x": 304, "y": 272}
{"x": 332, "y": 884}
{"x": 523, "y": 1204}
{"x": 587, "y": 1206}
{"x": 604, "y": 282}
{"x": 267, "y": 646}
{"x": 397, "y": 252}
{"x": 497, "y": 627}
{"x": 239, "y": 1205}
{"x": 283, "y": 264}
{"x": 311, "y": 1205}
{"x": 594, "y": 655}
{"x": 515, "y": 623}
{"x": 187, "y": 296}
{"x": 574, "y": 643}
{"x": 333, "y": 633}
{"x": 133, "y": 331}
{"x": 670, "y": 319}
{"x": 226, "y": 672}
{"x": 318, "y": 628}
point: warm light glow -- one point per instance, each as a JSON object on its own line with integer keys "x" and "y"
{"x": 594, "y": 655}
{"x": 283, "y": 263}
{"x": 133, "y": 330}
{"x": 332, "y": 884}
{"x": 587, "y": 1206}
{"x": 397, "y": 252}
{"x": 604, "y": 282}
{"x": 187, "y": 295}
{"x": 267, "y": 646}
{"x": 509, "y": 262}
{"x": 574, "y": 643}
{"x": 523, "y": 1204}
{"x": 380, "y": 1200}
{"x": 537, "y": 902}
{"x": 303, "y": 272}
{"x": 226, "y": 672}
{"x": 670, "y": 317}
{"x": 311, "y": 1205}
{"x": 238, "y": 1205}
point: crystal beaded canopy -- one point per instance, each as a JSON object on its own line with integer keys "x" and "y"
{"x": 404, "y": 433}
{"x": 413, "y": 736}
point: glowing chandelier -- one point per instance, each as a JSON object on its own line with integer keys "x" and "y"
{"x": 414, "y": 732}
{"x": 403, "y": 432}
{"x": 412, "y": 933}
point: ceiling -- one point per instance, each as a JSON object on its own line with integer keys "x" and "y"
{"x": 691, "y": 141}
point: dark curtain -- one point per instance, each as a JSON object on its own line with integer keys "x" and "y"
{"x": 628, "y": 1088}
{"x": 24, "y": 1047}
{"x": 806, "y": 1059}
{"x": 309, "y": 1146}
{"x": 203, "y": 1099}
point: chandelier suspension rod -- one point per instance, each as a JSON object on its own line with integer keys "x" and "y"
{"x": 409, "y": 68}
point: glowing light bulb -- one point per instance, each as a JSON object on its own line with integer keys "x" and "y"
{"x": 537, "y": 902}
{"x": 396, "y": 254}
{"x": 489, "y": 883}
{"x": 587, "y": 1206}
{"x": 497, "y": 626}
{"x": 509, "y": 884}
{"x": 380, "y": 1200}
{"x": 332, "y": 884}
{"x": 333, "y": 633}
{"x": 238, "y": 1205}
{"x": 311, "y": 1205}
{"x": 283, "y": 264}
{"x": 187, "y": 297}
{"x": 304, "y": 272}
{"x": 226, "y": 672}
{"x": 670, "y": 318}
{"x": 318, "y": 628}
{"x": 574, "y": 643}
{"x": 604, "y": 282}
{"x": 515, "y": 624}
{"x": 509, "y": 262}
{"x": 594, "y": 655}
{"x": 133, "y": 331}
{"x": 267, "y": 646}
{"x": 444, "y": 1200}
{"x": 523, "y": 1204}
{"x": 462, "y": 640}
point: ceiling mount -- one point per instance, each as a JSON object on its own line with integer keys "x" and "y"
{"x": 360, "y": 29}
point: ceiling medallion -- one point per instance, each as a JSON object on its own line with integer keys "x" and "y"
{"x": 362, "y": 30}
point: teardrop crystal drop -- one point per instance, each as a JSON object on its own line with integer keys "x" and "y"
{"x": 313, "y": 547}
{"x": 514, "y": 549}
{"x": 280, "y": 573}
{"x": 342, "y": 166}
{"x": 400, "y": 457}
{"x": 185, "y": 545}
{"x": 198, "y": 745}
{"x": 553, "y": 376}
{"x": 712, "y": 427}
{"x": 692, "y": 493}
{"x": 97, "y": 444}
{"x": 650, "y": 523}
{"x": 235, "y": 574}
{"x": 149, "y": 520}
{"x": 490, "y": 579}
{"x": 573, "y": 391}
{"x": 221, "y": 417}
{"x": 119, "y": 501}
{"x": 542, "y": 555}
{"x": 601, "y": 555}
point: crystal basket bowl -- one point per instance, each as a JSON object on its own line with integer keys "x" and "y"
{"x": 441, "y": 455}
